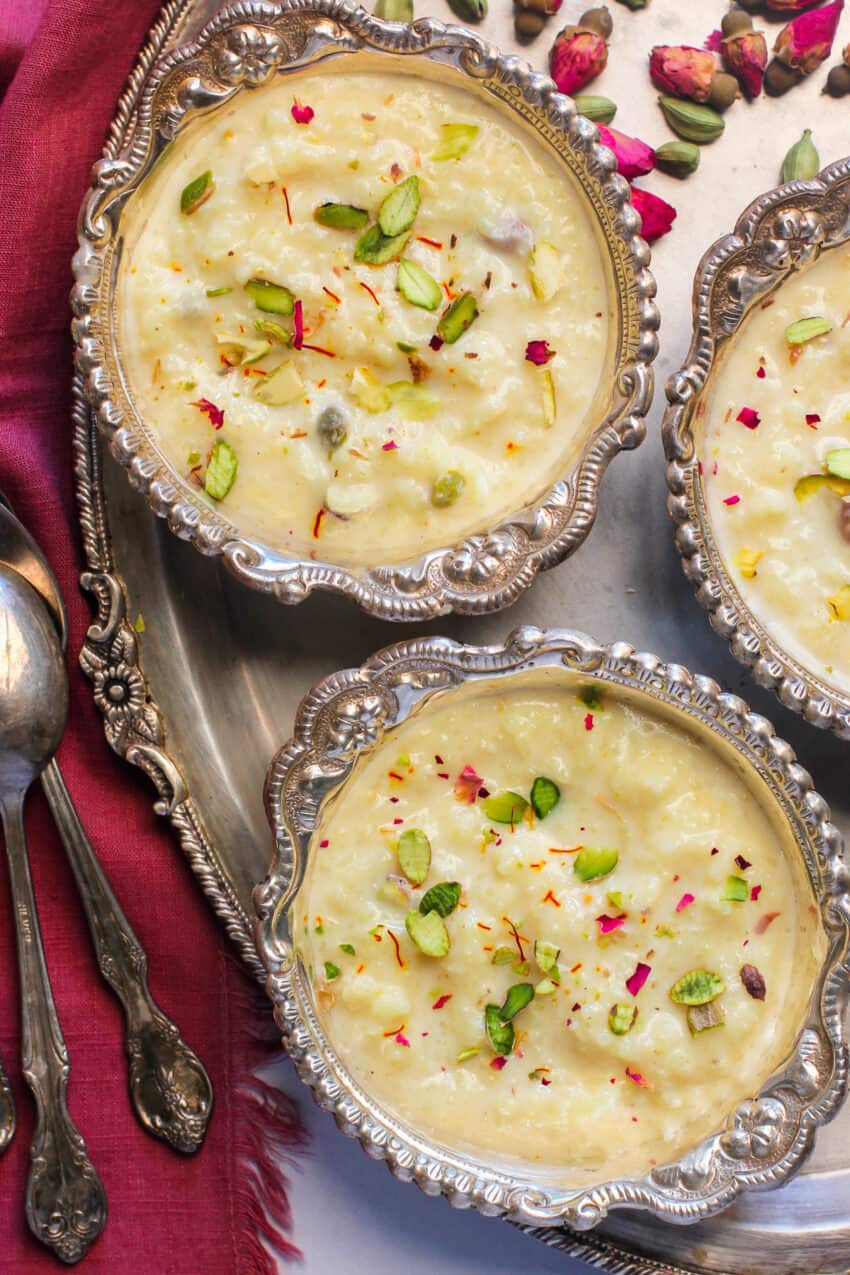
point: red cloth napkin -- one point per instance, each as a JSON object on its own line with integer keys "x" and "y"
{"x": 62, "y": 67}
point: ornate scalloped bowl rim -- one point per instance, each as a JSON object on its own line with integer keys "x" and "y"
{"x": 794, "y": 207}
{"x": 489, "y": 570}
{"x": 764, "y": 1141}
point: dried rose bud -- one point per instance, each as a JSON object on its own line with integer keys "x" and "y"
{"x": 634, "y": 157}
{"x": 656, "y": 214}
{"x": 806, "y": 41}
{"x": 682, "y": 71}
{"x": 577, "y": 57}
{"x": 745, "y": 55}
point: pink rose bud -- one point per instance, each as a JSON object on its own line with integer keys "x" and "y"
{"x": 713, "y": 41}
{"x": 745, "y": 56}
{"x": 656, "y": 214}
{"x": 806, "y": 41}
{"x": 577, "y": 57}
{"x": 682, "y": 71}
{"x": 634, "y": 157}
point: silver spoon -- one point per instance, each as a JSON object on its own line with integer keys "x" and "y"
{"x": 65, "y": 1200}
{"x": 169, "y": 1087}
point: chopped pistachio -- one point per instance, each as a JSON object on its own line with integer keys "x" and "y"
{"x": 522, "y": 969}
{"x": 331, "y": 971}
{"x": 374, "y": 248}
{"x": 807, "y": 486}
{"x": 807, "y": 330}
{"x": 518, "y": 997}
{"x": 443, "y": 898}
{"x": 398, "y": 211}
{"x": 505, "y": 807}
{"x": 447, "y": 489}
{"x": 455, "y": 141}
{"x": 413, "y": 401}
{"x": 348, "y": 948}
{"x": 736, "y": 890}
{"x": 250, "y": 350}
{"x": 221, "y": 470}
{"x": 622, "y": 1018}
{"x": 697, "y": 987}
{"x": 428, "y": 932}
{"x": 545, "y": 795}
{"x": 499, "y": 1033}
{"x": 546, "y": 954}
{"x": 701, "y": 1018}
{"x": 545, "y": 987}
{"x": 838, "y": 462}
{"x": 390, "y": 891}
{"x": 503, "y": 956}
{"x": 341, "y": 216}
{"x": 592, "y": 865}
{"x": 461, "y": 313}
{"x": 271, "y": 298}
{"x": 545, "y": 271}
{"x": 218, "y": 292}
{"x": 471, "y": 1051}
{"x": 406, "y": 347}
{"x": 331, "y": 427}
{"x": 414, "y": 855}
{"x": 417, "y": 286}
{"x": 196, "y": 193}
{"x": 283, "y": 385}
{"x": 839, "y": 603}
{"x": 275, "y": 330}
{"x": 547, "y": 390}
{"x": 368, "y": 391}
{"x": 615, "y": 901}
{"x": 194, "y": 458}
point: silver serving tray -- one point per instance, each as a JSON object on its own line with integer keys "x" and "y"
{"x": 205, "y": 695}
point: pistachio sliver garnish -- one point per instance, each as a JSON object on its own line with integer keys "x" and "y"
{"x": 810, "y": 483}
{"x": 838, "y": 462}
{"x": 805, "y": 330}
{"x": 455, "y": 141}
{"x": 218, "y": 292}
{"x": 503, "y": 956}
{"x": 447, "y": 489}
{"x": 196, "y": 193}
{"x": 368, "y": 391}
{"x": 701, "y": 1018}
{"x": 518, "y": 997}
{"x": 414, "y": 855}
{"x": 428, "y": 932}
{"x": 221, "y": 470}
{"x": 622, "y": 1018}
{"x": 546, "y": 955}
{"x": 461, "y": 313}
{"x": 499, "y": 1033}
{"x": 697, "y": 987}
{"x": 545, "y": 795}
{"x": 417, "y": 286}
{"x": 736, "y": 890}
{"x": 505, "y": 807}
{"x": 252, "y": 350}
{"x": 442, "y": 898}
{"x": 545, "y": 987}
{"x": 348, "y": 948}
{"x": 471, "y": 1051}
{"x": 416, "y": 402}
{"x": 406, "y": 347}
{"x": 547, "y": 395}
{"x": 276, "y": 331}
{"x": 341, "y": 216}
{"x": 374, "y": 248}
{"x": 282, "y": 386}
{"x": 592, "y": 865}
{"x": 271, "y": 298}
{"x": 331, "y": 971}
{"x": 545, "y": 271}
{"x": 398, "y": 211}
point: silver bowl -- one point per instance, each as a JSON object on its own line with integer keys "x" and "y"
{"x": 758, "y": 1145}
{"x": 246, "y": 46}
{"x": 782, "y": 232}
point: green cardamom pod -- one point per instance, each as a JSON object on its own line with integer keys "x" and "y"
{"x": 802, "y": 162}
{"x": 599, "y": 109}
{"x": 679, "y": 159}
{"x": 394, "y": 10}
{"x": 469, "y": 10}
{"x": 693, "y": 122}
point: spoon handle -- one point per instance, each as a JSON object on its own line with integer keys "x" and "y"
{"x": 7, "y": 1111}
{"x": 169, "y": 1086}
{"x": 65, "y": 1200}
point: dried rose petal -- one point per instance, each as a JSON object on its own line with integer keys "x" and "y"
{"x": 588, "y": 721}
{"x": 297, "y": 326}
{"x": 745, "y": 56}
{"x": 634, "y": 157}
{"x": 765, "y": 921}
{"x": 401, "y": 1039}
{"x": 749, "y": 416}
{"x": 656, "y": 214}
{"x": 300, "y": 113}
{"x": 731, "y": 500}
{"x": 436, "y": 342}
{"x": 812, "y": 418}
{"x": 754, "y": 982}
{"x": 498, "y": 1063}
{"x": 713, "y": 41}
{"x": 682, "y": 71}
{"x": 391, "y": 446}
{"x": 215, "y": 414}
{"x": 761, "y": 373}
{"x": 755, "y": 892}
{"x": 468, "y": 785}
{"x": 807, "y": 40}
{"x": 441, "y": 1001}
{"x": 685, "y": 902}
{"x": 636, "y": 981}
{"x": 538, "y": 353}
{"x": 637, "y": 1078}
{"x": 607, "y": 924}
{"x": 577, "y": 57}
{"x": 742, "y": 863}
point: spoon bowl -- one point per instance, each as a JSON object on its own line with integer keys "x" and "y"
{"x": 33, "y": 685}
